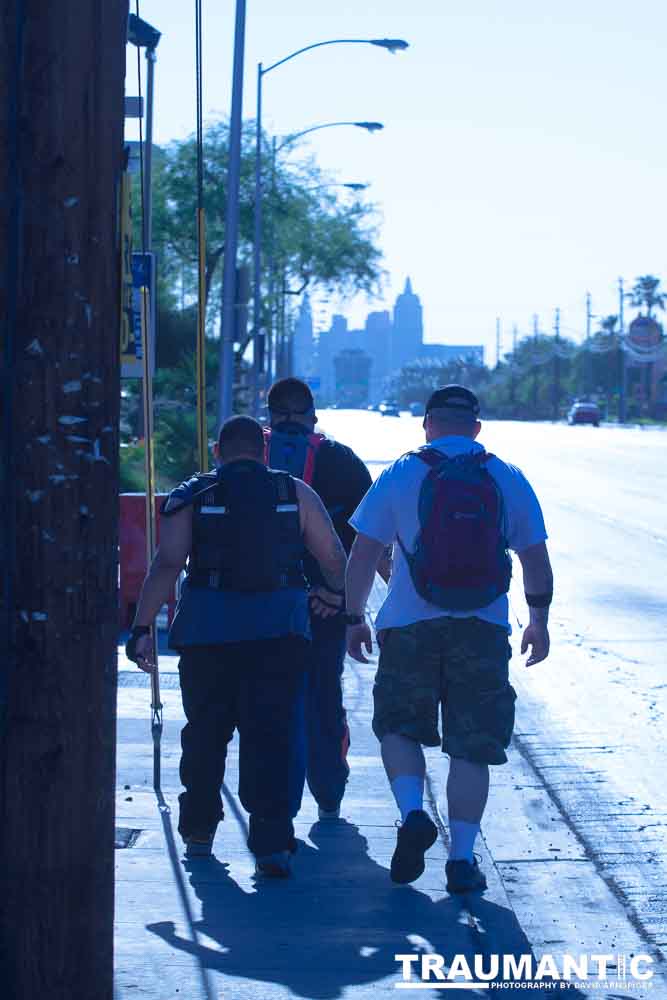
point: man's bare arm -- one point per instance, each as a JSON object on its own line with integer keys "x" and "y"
{"x": 537, "y": 580}
{"x": 170, "y": 559}
{"x": 320, "y": 538}
{"x": 363, "y": 562}
{"x": 537, "y": 576}
{"x": 384, "y": 565}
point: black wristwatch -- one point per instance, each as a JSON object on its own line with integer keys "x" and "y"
{"x": 350, "y": 619}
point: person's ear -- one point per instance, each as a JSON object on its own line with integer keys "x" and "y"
{"x": 426, "y": 424}
{"x": 476, "y": 429}
{"x": 216, "y": 451}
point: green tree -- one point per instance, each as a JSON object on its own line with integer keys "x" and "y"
{"x": 645, "y": 293}
{"x": 315, "y": 237}
{"x": 415, "y": 382}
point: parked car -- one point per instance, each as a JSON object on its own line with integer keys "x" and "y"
{"x": 389, "y": 409}
{"x": 417, "y": 409}
{"x": 584, "y": 413}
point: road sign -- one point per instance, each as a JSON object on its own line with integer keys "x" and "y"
{"x": 142, "y": 275}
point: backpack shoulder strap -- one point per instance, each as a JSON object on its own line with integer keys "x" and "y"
{"x": 314, "y": 444}
{"x": 189, "y": 493}
{"x": 431, "y": 456}
{"x": 285, "y": 487}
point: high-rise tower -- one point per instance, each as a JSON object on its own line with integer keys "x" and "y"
{"x": 408, "y": 331}
{"x": 304, "y": 346}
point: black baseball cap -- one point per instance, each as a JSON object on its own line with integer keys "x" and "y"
{"x": 458, "y": 403}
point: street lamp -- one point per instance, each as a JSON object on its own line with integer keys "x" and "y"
{"x": 391, "y": 45}
{"x": 368, "y": 126}
{"x": 145, "y": 36}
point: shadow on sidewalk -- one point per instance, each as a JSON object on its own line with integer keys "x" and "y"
{"x": 337, "y": 923}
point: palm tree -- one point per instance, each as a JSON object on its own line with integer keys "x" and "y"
{"x": 608, "y": 325}
{"x": 645, "y": 293}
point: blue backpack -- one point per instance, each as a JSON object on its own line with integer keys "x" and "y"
{"x": 293, "y": 452}
{"x": 460, "y": 561}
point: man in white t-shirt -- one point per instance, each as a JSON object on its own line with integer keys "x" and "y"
{"x": 451, "y": 512}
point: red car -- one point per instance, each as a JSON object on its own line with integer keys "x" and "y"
{"x": 584, "y": 413}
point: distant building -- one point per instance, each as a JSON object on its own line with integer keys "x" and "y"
{"x": 388, "y": 342}
{"x": 304, "y": 361}
{"x": 352, "y": 369}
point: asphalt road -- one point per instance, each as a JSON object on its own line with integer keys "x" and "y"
{"x": 591, "y": 719}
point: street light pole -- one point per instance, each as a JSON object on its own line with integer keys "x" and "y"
{"x": 226, "y": 378}
{"x": 151, "y": 59}
{"x": 258, "y": 331}
{"x": 145, "y": 36}
{"x": 392, "y": 45}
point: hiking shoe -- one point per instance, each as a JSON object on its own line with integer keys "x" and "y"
{"x": 326, "y": 814}
{"x": 276, "y": 865}
{"x": 414, "y": 838}
{"x": 199, "y": 845}
{"x": 464, "y": 876}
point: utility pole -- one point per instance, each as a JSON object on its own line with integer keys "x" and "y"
{"x": 535, "y": 366}
{"x": 515, "y": 335}
{"x": 498, "y": 335}
{"x": 622, "y": 369}
{"x": 556, "y": 387}
{"x": 228, "y": 325}
{"x": 588, "y": 371}
{"x": 62, "y": 69}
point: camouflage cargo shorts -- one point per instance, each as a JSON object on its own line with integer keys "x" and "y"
{"x": 456, "y": 665}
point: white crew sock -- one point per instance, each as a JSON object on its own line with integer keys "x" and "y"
{"x": 408, "y": 791}
{"x": 462, "y": 839}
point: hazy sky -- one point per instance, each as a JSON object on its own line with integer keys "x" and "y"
{"x": 524, "y": 151}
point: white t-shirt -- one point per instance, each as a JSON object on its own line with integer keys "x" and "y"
{"x": 389, "y": 509}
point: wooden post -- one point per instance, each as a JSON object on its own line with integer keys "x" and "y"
{"x": 62, "y": 70}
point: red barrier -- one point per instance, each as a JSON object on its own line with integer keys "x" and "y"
{"x": 133, "y": 553}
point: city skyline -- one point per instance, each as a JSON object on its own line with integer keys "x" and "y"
{"x": 520, "y": 165}
{"x": 370, "y": 354}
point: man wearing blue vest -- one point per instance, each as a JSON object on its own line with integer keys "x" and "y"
{"x": 242, "y": 630}
{"x": 452, "y": 512}
{"x": 340, "y": 479}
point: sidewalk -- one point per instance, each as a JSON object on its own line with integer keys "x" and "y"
{"x": 208, "y": 929}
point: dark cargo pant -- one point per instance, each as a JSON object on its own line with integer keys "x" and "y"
{"x": 256, "y": 687}
{"x": 327, "y": 733}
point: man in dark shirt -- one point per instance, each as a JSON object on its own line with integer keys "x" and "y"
{"x": 340, "y": 479}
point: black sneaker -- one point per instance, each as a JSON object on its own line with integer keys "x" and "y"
{"x": 464, "y": 876}
{"x": 276, "y": 865}
{"x": 199, "y": 845}
{"x": 414, "y": 838}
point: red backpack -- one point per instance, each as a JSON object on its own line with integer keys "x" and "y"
{"x": 460, "y": 560}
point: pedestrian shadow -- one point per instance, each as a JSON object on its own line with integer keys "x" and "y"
{"x": 338, "y": 922}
